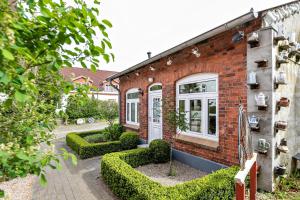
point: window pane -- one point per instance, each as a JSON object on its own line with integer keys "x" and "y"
{"x": 156, "y": 110}
{"x": 127, "y": 112}
{"x": 195, "y": 115}
{"x": 134, "y": 95}
{"x": 156, "y": 87}
{"x": 138, "y": 112}
{"x": 199, "y": 87}
{"x": 181, "y": 106}
{"x": 212, "y": 116}
{"x": 132, "y": 112}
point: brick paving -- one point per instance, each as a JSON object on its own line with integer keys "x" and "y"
{"x": 79, "y": 182}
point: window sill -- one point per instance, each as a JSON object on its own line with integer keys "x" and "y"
{"x": 198, "y": 142}
{"x": 131, "y": 126}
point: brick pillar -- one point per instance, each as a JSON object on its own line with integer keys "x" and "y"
{"x": 240, "y": 191}
{"x": 253, "y": 181}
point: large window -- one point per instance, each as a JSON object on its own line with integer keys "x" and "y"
{"x": 197, "y": 97}
{"x": 132, "y": 107}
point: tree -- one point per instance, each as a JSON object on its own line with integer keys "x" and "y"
{"x": 177, "y": 122}
{"x": 109, "y": 111}
{"x": 37, "y": 39}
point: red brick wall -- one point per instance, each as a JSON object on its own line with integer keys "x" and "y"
{"x": 218, "y": 55}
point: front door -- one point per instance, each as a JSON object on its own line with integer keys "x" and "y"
{"x": 155, "y": 115}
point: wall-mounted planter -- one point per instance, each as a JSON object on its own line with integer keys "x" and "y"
{"x": 252, "y": 81}
{"x": 261, "y": 101}
{"x": 282, "y": 149}
{"x": 284, "y": 45}
{"x": 253, "y": 85}
{"x": 254, "y": 123}
{"x": 262, "y": 63}
{"x": 294, "y": 51}
{"x": 283, "y": 102}
{"x": 280, "y": 79}
{"x": 263, "y": 146}
{"x": 280, "y": 125}
{"x": 253, "y": 40}
{"x": 280, "y": 60}
{"x": 280, "y": 170}
{"x": 279, "y": 38}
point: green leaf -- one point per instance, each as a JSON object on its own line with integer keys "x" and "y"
{"x": 21, "y": 97}
{"x": 83, "y": 64}
{"x": 107, "y": 23}
{"x": 74, "y": 159}
{"x": 93, "y": 68}
{"x": 21, "y": 155}
{"x": 29, "y": 139}
{"x": 43, "y": 180}
{"x": 1, "y": 193}
{"x": 107, "y": 43}
{"x": 7, "y": 54}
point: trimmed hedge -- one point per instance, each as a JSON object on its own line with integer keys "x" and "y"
{"x": 85, "y": 149}
{"x": 160, "y": 150}
{"x": 129, "y": 184}
{"x": 129, "y": 140}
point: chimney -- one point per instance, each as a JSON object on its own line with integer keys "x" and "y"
{"x": 149, "y": 54}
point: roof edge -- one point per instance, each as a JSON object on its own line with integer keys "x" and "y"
{"x": 224, "y": 27}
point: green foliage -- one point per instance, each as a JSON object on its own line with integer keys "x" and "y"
{"x": 117, "y": 170}
{"x": 177, "y": 120}
{"x": 129, "y": 140}
{"x": 110, "y": 111}
{"x": 85, "y": 149}
{"x": 95, "y": 138}
{"x": 83, "y": 107}
{"x": 37, "y": 39}
{"x": 288, "y": 187}
{"x": 161, "y": 151}
{"x": 113, "y": 132}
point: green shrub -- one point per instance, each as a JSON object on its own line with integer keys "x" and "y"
{"x": 129, "y": 140}
{"x": 86, "y": 149}
{"x": 96, "y": 138}
{"x": 83, "y": 107}
{"x": 113, "y": 132}
{"x": 129, "y": 184}
{"x": 160, "y": 150}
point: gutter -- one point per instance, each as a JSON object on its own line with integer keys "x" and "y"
{"x": 119, "y": 98}
{"x": 220, "y": 29}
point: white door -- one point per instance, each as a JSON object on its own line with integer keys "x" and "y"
{"x": 155, "y": 115}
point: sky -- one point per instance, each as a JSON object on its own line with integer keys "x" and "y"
{"x": 140, "y": 26}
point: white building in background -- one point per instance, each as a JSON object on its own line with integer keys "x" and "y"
{"x": 101, "y": 89}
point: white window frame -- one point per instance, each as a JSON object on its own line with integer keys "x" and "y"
{"x": 204, "y": 97}
{"x": 128, "y": 108}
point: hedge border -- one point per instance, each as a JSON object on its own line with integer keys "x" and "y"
{"x": 117, "y": 170}
{"x": 87, "y": 150}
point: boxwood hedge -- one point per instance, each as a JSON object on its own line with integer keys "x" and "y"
{"x": 118, "y": 172}
{"x": 85, "y": 149}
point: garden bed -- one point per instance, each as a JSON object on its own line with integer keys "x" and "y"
{"x": 78, "y": 142}
{"x": 117, "y": 170}
{"x": 159, "y": 173}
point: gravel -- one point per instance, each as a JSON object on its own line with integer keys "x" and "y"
{"x": 159, "y": 173}
{"x": 19, "y": 188}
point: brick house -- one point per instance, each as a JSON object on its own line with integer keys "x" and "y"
{"x": 100, "y": 88}
{"x": 207, "y": 77}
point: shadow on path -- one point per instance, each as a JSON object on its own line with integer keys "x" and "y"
{"x": 79, "y": 182}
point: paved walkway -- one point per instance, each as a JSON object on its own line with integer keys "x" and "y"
{"x": 62, "y": 130}
{"x": 79, "y": 182}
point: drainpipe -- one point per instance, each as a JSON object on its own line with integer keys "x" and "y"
{"x": 119, "y": 98}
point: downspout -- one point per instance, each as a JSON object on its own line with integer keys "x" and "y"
{"x": 119, "y": 98}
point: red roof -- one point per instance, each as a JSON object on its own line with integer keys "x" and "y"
{"x": 97, "y": 77}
